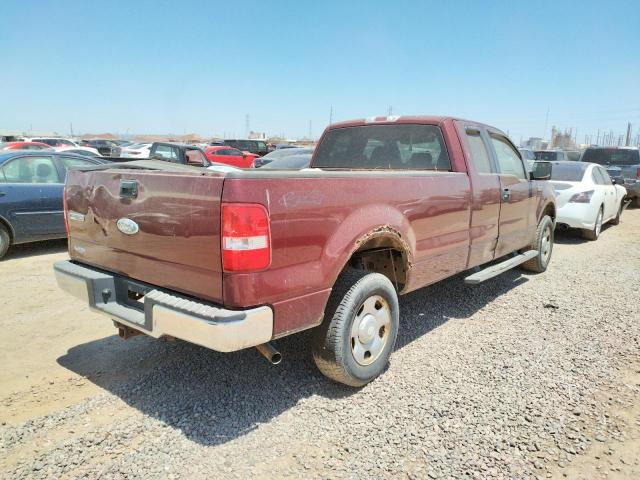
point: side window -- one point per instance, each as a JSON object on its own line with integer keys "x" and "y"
{"x": 31, "y": 170}
{"x": 233, "y": 151}
{"x": 509, "y": 162}
{"x": 74, "y": 162}
{"x": 479, "y": 154}
{"x": 605, "y": 176}
{"x": 597, "y": 176}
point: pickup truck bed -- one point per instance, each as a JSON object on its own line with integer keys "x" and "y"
{"x": 160, "y": 229}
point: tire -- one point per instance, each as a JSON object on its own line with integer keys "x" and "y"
{"x": 594, "y": 233}
{"x": 616, "y": 220}
{"x": 5, "y": 240}
{"x": 353, "y": 344}
{"x": 543, "y": 243}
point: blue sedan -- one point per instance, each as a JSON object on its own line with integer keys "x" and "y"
{"x": 31, "y": 185}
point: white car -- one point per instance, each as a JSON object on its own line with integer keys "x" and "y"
{"x": 586, "y": 197}
{"x": 88, "y": 151}
{"x": 137, "y": 150}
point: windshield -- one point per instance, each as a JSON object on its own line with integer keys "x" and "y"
{"x": 287, "y": 152}
{"x": 604, "y": 156}
{"x": 568, "y": 172}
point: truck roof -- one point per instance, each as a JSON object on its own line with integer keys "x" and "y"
{"x": 391, "y": 119}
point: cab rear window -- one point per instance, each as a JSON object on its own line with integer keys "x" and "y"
{"x": 384, "y": 147}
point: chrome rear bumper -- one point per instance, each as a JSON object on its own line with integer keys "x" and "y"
{"x": 159, "y": 313}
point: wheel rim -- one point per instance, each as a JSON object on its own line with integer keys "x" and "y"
{"x": 599, "y": 223}
{"x": 546, "y": 245}
{"x": 370, "y": 330}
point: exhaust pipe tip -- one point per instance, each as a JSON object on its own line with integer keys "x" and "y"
{"x": 270, "y": 353}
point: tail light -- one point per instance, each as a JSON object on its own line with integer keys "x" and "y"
{"x": 582, "y": 197}
{"x": 65, "y": 209}
{"x": 246, "y": 237}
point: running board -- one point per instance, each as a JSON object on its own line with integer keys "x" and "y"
{"x": 497, "y": 269}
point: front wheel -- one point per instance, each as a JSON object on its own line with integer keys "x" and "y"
{"x": 355, "y": 341}
{"x": 594, "y": 233}
{"x": 543, "y": 243}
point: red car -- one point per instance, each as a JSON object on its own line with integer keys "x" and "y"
{"x": 230, "y": 156}
{"x": 25, "y": 146}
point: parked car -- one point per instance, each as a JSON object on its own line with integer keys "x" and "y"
{"x": 106, "y": 148}
{"x": 290, "y": 162}
{"x": 281, "y": 153}
{"x": 136, "y": 150}
{"x": 55, "y": 142}
{"x": 31, "y": 185}
{"x": 230, "y": 156}
{"x": 551, "y": 155}
{"x": 573, "y": 155}
{"x": 123, "y": 143}
{"x": 622, "y": 163}
{"x": 233, "y": 260}
{"x": 586, "y": 197}
{"x": 258, "y": 147}
{"x": 24, "y": 146}
{"x": 86, "y": 151}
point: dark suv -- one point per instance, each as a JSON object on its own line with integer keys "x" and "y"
{"x": 622, "y": 164}
{"x": 106, "y": 148}
{"x": 258, "y": 147}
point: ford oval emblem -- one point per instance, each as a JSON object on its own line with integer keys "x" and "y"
{"x": 127, "y": 226}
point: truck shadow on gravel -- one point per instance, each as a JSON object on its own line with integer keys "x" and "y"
{"x": 213, "y": 398}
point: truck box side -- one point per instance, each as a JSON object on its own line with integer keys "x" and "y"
{"x": 318, "y": 219}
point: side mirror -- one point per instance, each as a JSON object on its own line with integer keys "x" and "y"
{"x": 613, "y": 181}
{"x": 541, "y": 171}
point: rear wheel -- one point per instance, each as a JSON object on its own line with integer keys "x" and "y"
{"x": 355, "y": 341}
{"x": 543, "y": 243}
{"x": 5, "y": 240}
{"x": 597, "y": 228}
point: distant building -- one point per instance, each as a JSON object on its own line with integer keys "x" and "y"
{"x": 561, "y": 141}
{"x": 535, "y": 143}
{"x": 257, "y": 136}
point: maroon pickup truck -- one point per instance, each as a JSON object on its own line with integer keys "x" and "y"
{"x": 234, "y": 260}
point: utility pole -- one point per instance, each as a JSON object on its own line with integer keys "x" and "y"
{"x": 627, "y": 140}
{"x": 390, "y": 110}
{"x": 310, "y": 130}
{"x": 330, "y": 114}
{"x": 598, "y": 138}
{"x": 71, "y": 129}
{"x": 246, "y": 126}
{"x": 546, "y": 121}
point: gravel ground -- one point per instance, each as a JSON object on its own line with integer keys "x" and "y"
{"x": 524, "y": 376}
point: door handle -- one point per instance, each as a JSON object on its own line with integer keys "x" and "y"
{"x": 2, "y": 194}
{"x": 506, "y": 194}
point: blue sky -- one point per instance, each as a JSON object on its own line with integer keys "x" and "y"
{"x": 158, "y": 66}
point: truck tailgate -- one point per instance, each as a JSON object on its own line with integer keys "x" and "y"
{"x": 177, "y": 218}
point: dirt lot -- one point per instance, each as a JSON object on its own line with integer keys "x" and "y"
{"x": 524, "y": 376}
